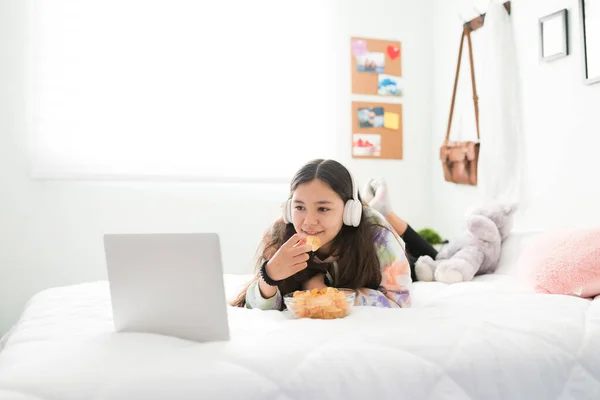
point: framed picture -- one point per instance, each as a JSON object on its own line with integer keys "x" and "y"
{"x": 590, "y": 35}
{"x": 554, "y": 37}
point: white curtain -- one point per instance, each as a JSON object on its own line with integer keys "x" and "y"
{"x": 501, "y": 164}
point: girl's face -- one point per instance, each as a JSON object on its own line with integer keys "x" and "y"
{"x": 318, "y": 210}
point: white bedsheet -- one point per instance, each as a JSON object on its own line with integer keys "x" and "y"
{"x": 478, "y": 340}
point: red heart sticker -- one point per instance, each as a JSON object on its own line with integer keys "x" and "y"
{"x": 393, "y": 52}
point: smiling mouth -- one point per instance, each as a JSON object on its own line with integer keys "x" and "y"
{"x": 313, "y": 233}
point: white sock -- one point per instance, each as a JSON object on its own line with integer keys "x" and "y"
{"x": 367, "y": 193}
{"x": 380, "y": 201}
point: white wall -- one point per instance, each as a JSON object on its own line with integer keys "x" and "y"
{"x": 561, "y": 125}
{"x": 51, "y": 232}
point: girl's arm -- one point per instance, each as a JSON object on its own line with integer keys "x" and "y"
{"x": 256, "y": 299}
{"x": 394, "y": 290}
{"x": 259, "y": 294}
{"x": 364, "y": 296}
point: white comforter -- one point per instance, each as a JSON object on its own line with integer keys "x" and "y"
{"x": 479, "y": 340}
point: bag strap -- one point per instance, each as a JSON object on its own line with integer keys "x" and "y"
{"x": 475, "y": 97}
{"x": 466, "y": 32}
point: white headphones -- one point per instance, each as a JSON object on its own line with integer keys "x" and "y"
{"x": 352, "y": 209}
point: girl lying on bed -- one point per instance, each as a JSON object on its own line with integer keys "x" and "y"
{"x": 360, "y": 248}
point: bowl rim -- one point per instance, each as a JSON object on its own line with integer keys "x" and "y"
{"x": 346, "y": 291}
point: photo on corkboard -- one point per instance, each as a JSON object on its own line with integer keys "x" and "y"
{"x": 371, "y": 62}
{"x": 389, "y": 85}
{"x": 365, "y": 144}
{"x": 371, "y": 117}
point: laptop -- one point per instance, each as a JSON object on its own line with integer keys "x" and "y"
{"x": 168, "y": 284}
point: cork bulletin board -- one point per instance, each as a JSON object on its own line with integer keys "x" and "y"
{"x": 376, "y": 67}
{"x": 377, "y": 130}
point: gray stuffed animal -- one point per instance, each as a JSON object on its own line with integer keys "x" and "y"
{"x": 475, "y": 252}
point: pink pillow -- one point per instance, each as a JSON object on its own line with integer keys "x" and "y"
{"x": 564, "y": 262}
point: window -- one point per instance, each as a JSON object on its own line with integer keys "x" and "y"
{"x": 225, "y": 90}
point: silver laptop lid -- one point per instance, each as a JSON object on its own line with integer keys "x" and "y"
{"x": 169, "y": 284}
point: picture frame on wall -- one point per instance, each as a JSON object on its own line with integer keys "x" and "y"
{"x": 554, "y": 36}
{"x": 590, "y": 38}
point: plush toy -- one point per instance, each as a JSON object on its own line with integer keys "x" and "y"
{"x": 475, "y": 252}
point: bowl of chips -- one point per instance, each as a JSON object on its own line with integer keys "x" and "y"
{"x": 327, "y": 303}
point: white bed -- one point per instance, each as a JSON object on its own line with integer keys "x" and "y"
{"x": 485, "y": 339}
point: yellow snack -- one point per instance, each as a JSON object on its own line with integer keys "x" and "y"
{"x": 314, "y": 242}
{"x": 327, "y": 303}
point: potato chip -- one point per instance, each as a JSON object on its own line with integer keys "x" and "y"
{"x": 314, "y": 242}
{"x": 302, "y": 312}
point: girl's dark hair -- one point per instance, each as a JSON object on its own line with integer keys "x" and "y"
{"x": 353, "y": 247}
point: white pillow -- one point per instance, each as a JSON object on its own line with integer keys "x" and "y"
{"x": 511, "y": 250}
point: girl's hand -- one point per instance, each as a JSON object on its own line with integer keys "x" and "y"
{"x": 289, "y": 259}
{"x": 316, "y": 282}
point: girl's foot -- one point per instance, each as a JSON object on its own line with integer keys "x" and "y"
{"x": 377, "y": 196}
{"x": 367, "y": 193}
